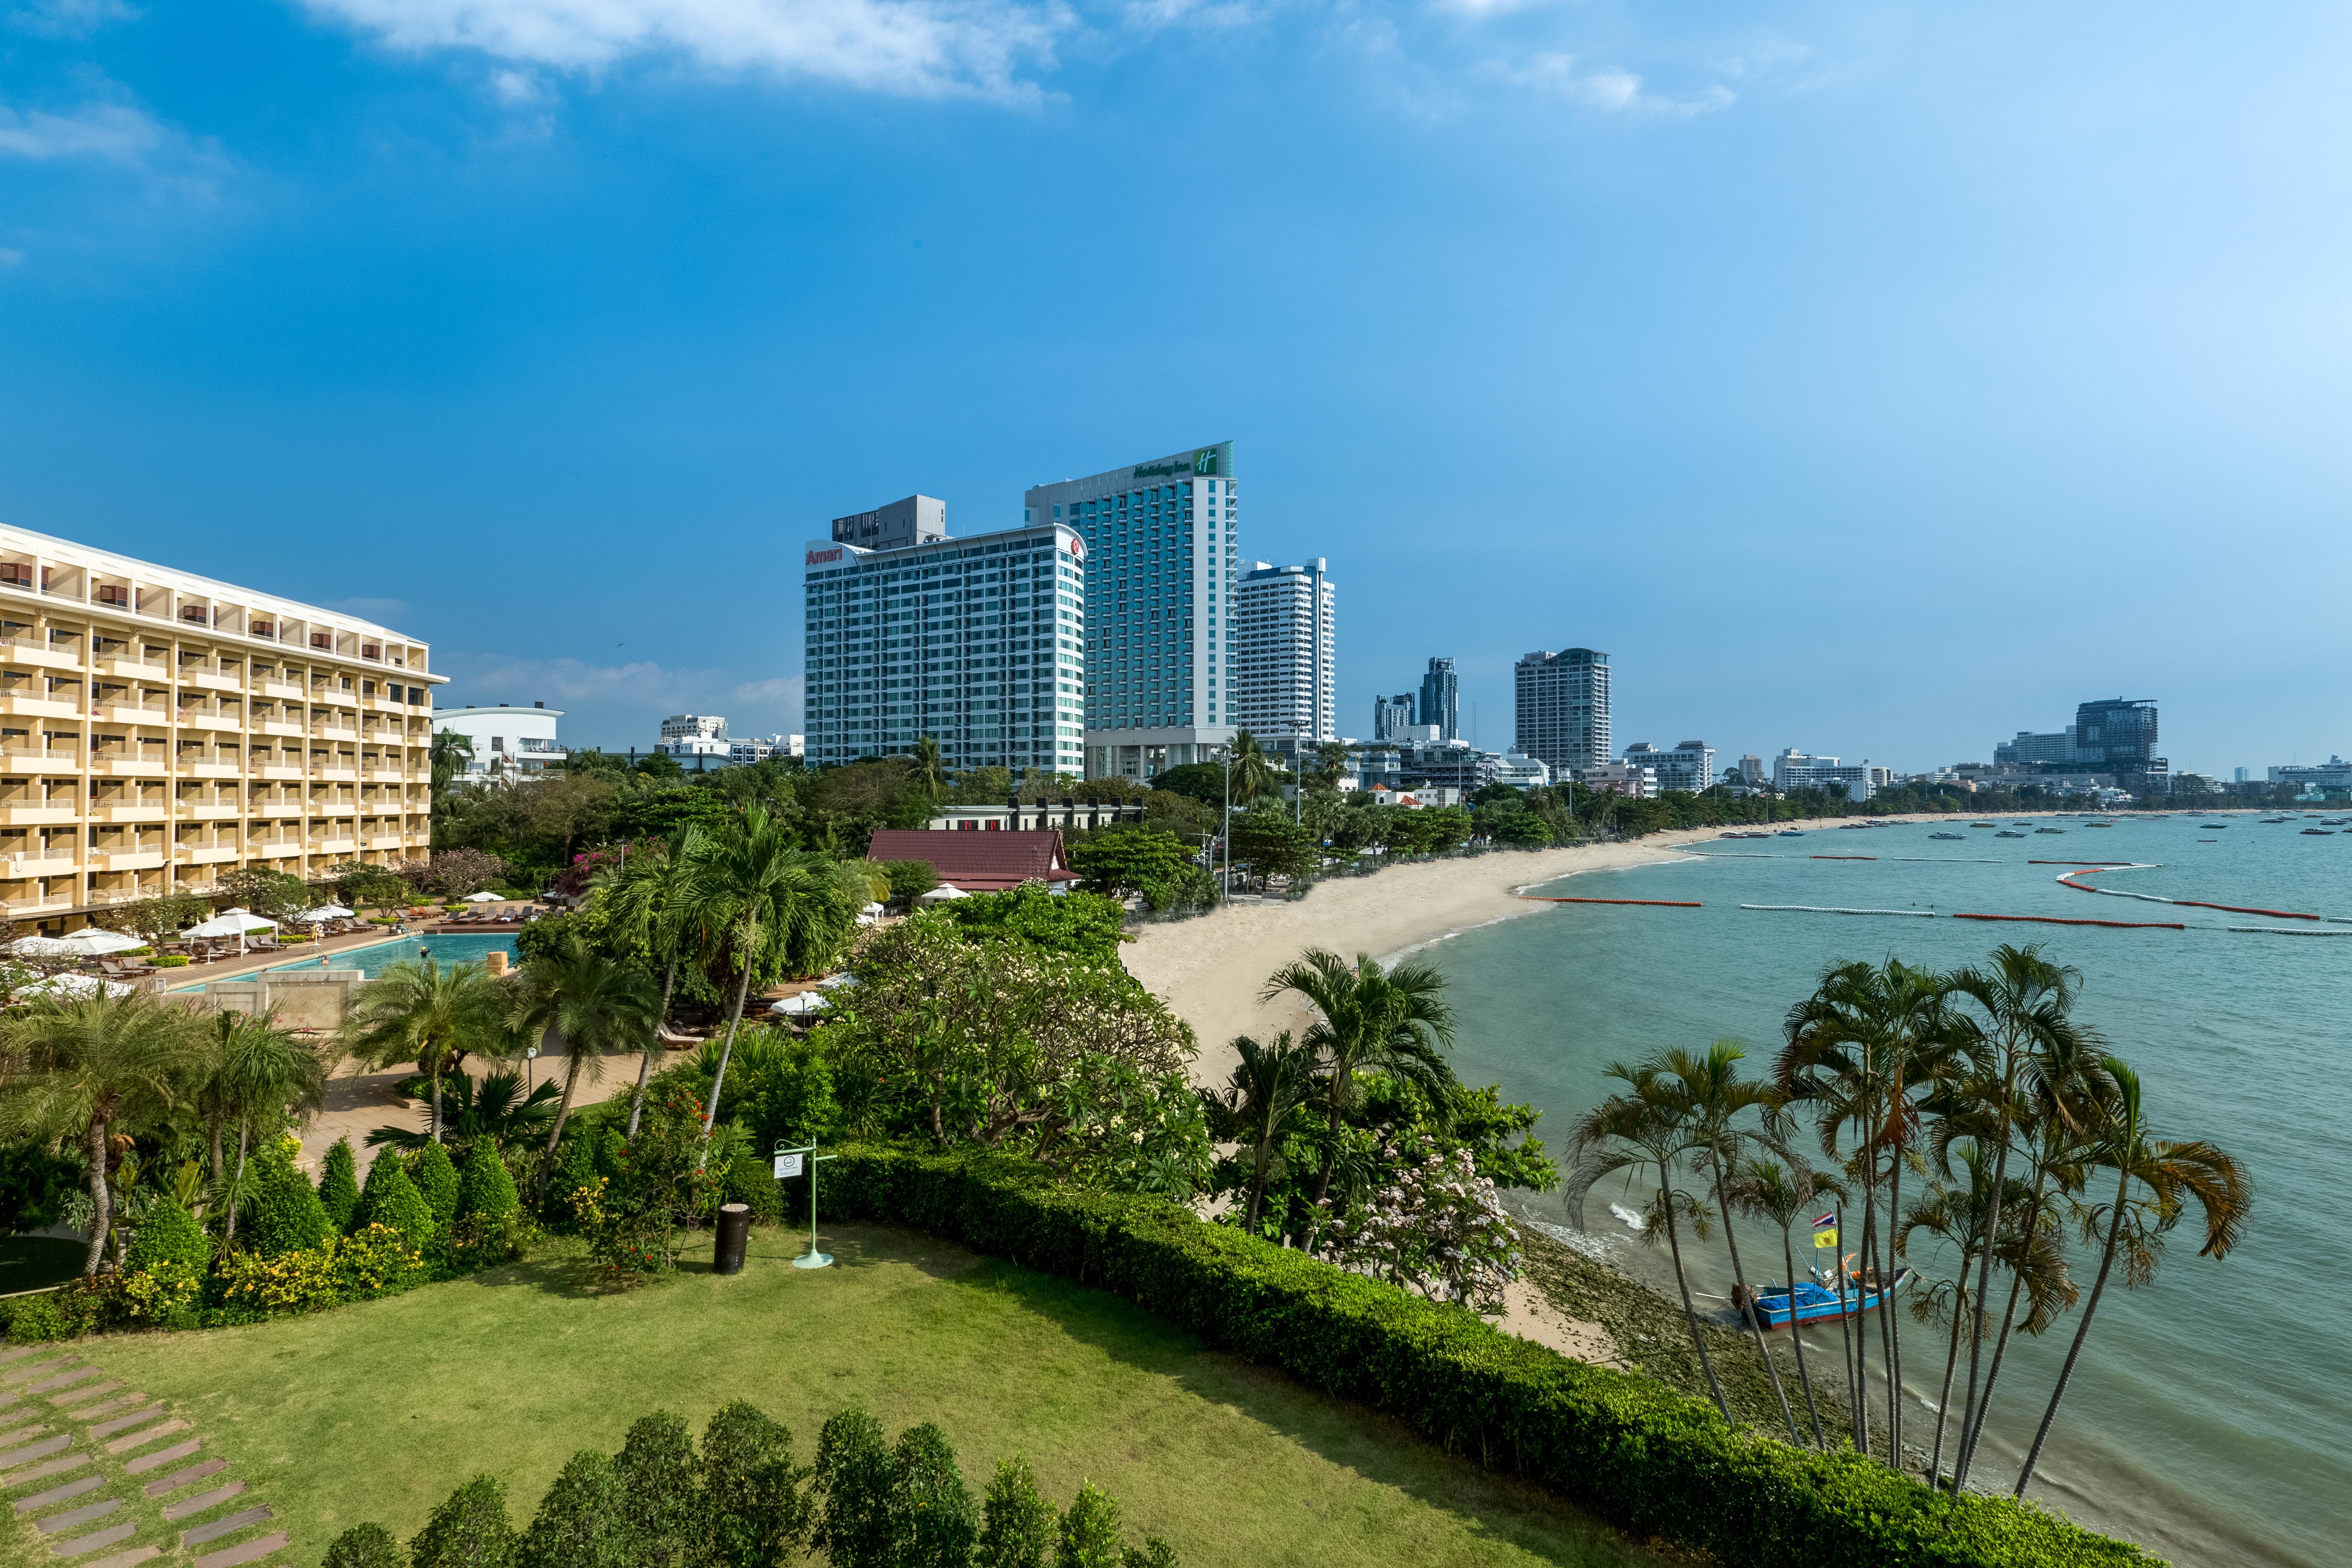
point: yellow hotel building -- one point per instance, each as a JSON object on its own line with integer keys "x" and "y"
{"x": 158, "y": 729}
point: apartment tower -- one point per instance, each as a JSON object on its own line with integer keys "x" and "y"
{"x": 1441, "y": 700}
{"x": 1285, "y": 673}
{"x": 1161, "y": 556}
{"x": 1563, "y": 709}
{"x": 159, "y": 728}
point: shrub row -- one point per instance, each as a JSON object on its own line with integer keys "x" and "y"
{"x": 1652, "y": 1460}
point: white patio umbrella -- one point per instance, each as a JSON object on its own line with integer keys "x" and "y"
{"x": 90, "y": 942}
{"x": 322, "y": 915}
{"x": 941, "y": 893}
{"x": 230, "y": 922}
{"x": 799, "y": 1006}
{"x": 485, "y": 898}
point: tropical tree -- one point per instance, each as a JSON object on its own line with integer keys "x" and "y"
{"x": 1249, "y": 768}
{"x": 420, "y": 1011}
{"x": 450, "y": 753}
{"x": 649, "y": 907}
{"x": 2156, "y": 1180}
{"x": 1373, "y": 1020}
{"x": 1954, "y": 1214}
{"x": 598, "y": 1006}
{"x": 928, "y": 766}
{"x": 251, "y": 1069}
{"x": 80, "y": 1068}
{"x": 493, "y": 1107}
{"x": 759, "y": 903}
{"x": 1645, "y": 1127}
{"x": 1717, "y": 1100}
{"x": 1764, "y": 1188}
{"x": 1330, "y": 763}
{"x": 1267, "y": 1085}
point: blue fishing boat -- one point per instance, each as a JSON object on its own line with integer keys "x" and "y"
{"x": 1818, "y": 1302}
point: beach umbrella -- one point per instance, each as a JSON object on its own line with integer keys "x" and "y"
{"x": 799, "y": 1006}
{"x": 943, "y": 892}
{"x": 78, "y": 985}
{"x": 89, "y": 943}
{"x": 485, "y": 898}
{"x": 322, "y": 915}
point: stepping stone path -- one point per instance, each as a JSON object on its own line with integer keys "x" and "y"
{"x": 74, "y": 1448}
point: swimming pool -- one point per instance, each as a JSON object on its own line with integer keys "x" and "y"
{"x": 448, "y": 947}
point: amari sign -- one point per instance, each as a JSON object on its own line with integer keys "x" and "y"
{"x": 1203, "y": 464}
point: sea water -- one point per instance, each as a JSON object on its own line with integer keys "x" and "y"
{"x": 2210, "y": 1416}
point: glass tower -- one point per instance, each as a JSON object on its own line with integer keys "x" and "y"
{"x": 1161, "y": 557}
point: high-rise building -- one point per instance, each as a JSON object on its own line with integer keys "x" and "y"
{"x": 1160, "y": 561}
{"x": 1563, "y": 709}
{"x": 1283, "y": 673}
{"x": 2116, "y": 733}
{"x": 1441, "y": 700}
{"x": 1391, "y": 716}
{"x": 978, "y": 643}
{"x": 1751, "y": 769}
{"x": 1690, "y": 766}
{"x": 2031, "y": 748}
{"x": 160, "y": 729}
{"x": 917, "y": 520}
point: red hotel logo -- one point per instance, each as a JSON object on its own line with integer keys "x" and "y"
{"x": 820, "y": 557}
{"x": 1077, "y": 547}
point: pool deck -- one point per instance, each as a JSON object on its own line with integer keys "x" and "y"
{"x": 198, "y": 975}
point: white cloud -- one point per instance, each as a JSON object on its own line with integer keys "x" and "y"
{"x": 1609, "y": 89}
{"x": 515, "y": 86}
{"x": 112, "y": 132}
{"x": 920, "y": 47}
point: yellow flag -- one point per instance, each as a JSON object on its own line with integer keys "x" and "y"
{"x": 1825, "y": 1238}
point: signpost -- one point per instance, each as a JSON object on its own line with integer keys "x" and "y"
{"x": 793, "y": 1162}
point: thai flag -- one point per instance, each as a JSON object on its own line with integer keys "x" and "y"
{"x": 1826, "y": 1221}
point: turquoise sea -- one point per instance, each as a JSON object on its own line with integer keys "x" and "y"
{"x": 2211, "y": 1415}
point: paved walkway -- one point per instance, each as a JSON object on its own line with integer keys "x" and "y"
{"x": 109, "y": 1477}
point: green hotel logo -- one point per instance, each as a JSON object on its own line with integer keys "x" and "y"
{"x": 1204, "y": 461}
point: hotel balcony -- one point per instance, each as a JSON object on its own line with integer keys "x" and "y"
{"x": 36, "y": 863}
{"x": 346, "y": 843}
{"x": 129, "y": 668}
{"x": 123, "y": 766}
{"x": 128, "y": 812}
{"x": 125, "y": 859}
{"x": 210, "y": 680}
{"x": 279, "y": 689}
{"x": 29, "y": 706}
{"x": 38, "y": 759}
{"x": 36, "y": 655}
{"x": 209, "y": 770}
{"x": 36, "y": 813}
{"x": 205, "y": 854}
{"x": 207, "y": 810}
{"x": 196, "y": 719}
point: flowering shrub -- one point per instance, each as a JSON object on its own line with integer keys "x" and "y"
{"x": 1435, "y": 1226}
{"x": 1126, "y": 1131}
{"x": 301, "y": 1281}
{"x": 376, "y": 1260}
{"x": 164, "y": 1292}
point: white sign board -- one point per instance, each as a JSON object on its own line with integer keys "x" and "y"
{"x": 788, "y": 1165}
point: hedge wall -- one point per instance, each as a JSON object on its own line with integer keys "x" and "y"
{"x": 1652, "y": 1460}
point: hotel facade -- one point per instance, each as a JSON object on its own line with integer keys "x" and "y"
{"x": 979, "y": 643}
{"x": 1160, "y": 554}
{"x": 159, "y": 728}
{"x": 1286, "y": 652}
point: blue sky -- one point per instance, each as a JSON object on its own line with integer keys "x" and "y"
{"x": 1874, "y": 379}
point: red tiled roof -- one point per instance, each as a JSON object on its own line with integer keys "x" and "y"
{"x": 977, "y": 862}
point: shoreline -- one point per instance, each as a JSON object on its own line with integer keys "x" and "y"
{"x": 1209, "y": 969}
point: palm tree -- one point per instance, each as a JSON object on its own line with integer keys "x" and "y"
{"x": 1267, "y": 1084}
{"x": 1717, "y": 1098}
{"x": 928, "y": 768}
{"x": 78, "y": 1067}
{"x": 2014, "y": 1046}
{"x": 600, "y": 1007}
{"x": 1647, "y": 1127}
{"x": 757, "y": 903}
{"x": 1866, "y": 1049}
{"x": 1954, "y": 1214}
{"x": 494, "y": 1108}
{"x": 449, "y": 754}
{"x": 648, "y": 904}
{"x": 2171, "y": 1175}
{"x": 1249, "y": 768}
{"x": 251, "y": 1069}
{"x": 1764, "y": 1188}
{"x": 1373, "y": 1019}
{"x": 1330, "y": 763}
{"x": 418, "y": 1011}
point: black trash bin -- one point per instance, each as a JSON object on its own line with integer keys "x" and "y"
{"x": 734, "y": 1236}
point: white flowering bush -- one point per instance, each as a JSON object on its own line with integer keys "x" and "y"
{"x": 1432, "y": 1225}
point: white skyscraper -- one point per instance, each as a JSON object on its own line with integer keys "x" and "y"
{"x": 1285, "y": 672}
{"x": 1159, "y": 583}
{"x": 979, "y": 643}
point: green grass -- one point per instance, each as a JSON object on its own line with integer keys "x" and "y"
{"x": 37, "y": 1262}
{"x": 378, "y": 1411}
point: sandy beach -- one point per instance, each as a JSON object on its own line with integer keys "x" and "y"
{"x": 1209, "y": 970}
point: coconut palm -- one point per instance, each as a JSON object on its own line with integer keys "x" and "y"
{"x": 648, "y": 910}
{"x": 1953, "y": 1214}
{"x": 758, "y": 903}
{"x": 1866, "y": 1051}
{"x": 928, "y": 766}
{"x": 2168, "y": 1176}
{"x": 1249, "y": 769}
{"x": 252, "y": 1069}
{"x": 80, "y": 1068}
{"x": 1717, "y": 1100}
{"x": 494, "y": 1108}
{"x": 420, "y": 1011}
{"x": 1647, "y": 1127}
{"x": 1373, "y": 1020}
{"x": 1764, "y": 1188}
{"x": 600, "y": 1008}
{"x": 448, "y": 756}
{"x": 1267, "y": 1084}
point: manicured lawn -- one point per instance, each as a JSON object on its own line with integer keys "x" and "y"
{"x": 378, "y": 1411}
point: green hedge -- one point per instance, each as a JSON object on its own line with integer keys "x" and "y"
{"x": 1654, "y": 1461}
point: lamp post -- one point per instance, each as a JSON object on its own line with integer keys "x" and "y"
{"x": 1226, "y": 892}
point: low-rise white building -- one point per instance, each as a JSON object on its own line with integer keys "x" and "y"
{"x": 1618, "y": 778}
{"x": 507, "y": 739}
{"x": 1793, "y": 768}
{"x": 1688, "y": 767}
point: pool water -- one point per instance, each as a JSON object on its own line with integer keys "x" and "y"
{"x": 446, "y": 947}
